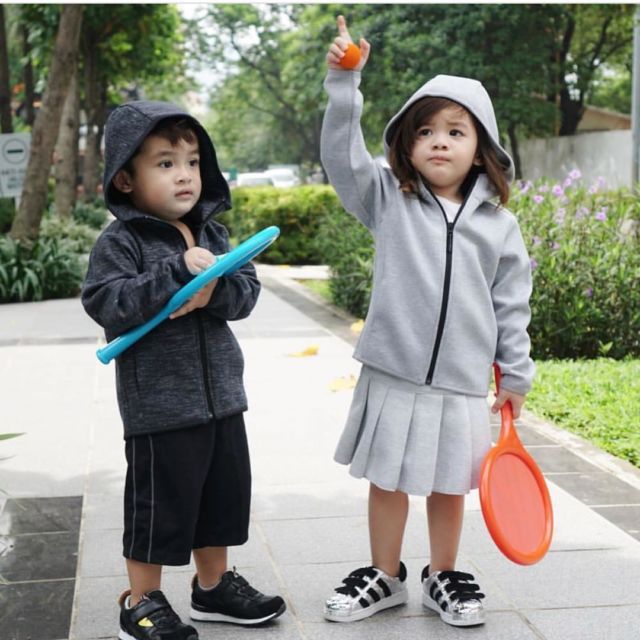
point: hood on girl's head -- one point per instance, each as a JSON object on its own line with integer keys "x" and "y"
{"x": 472, "y": 96}
{"x": 125, "y": 131}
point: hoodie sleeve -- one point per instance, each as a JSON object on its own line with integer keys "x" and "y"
{"x": 351, "y": 170}
{"x": 116, "y": 294}
{"x": 510, "y": 294}
{"x": 235, "y": 295}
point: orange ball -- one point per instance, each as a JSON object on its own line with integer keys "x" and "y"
{"x": 351, "y": 57}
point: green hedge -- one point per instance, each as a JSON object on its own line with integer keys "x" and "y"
{"x": 298, "y": 211}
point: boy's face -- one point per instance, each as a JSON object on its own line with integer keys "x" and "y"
{"x": 166, "y": 179}
{"x": 445, "y": 149}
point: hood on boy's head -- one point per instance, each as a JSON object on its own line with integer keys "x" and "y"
{"x": 472, "y": 96}
{"x": 125, "y": 131}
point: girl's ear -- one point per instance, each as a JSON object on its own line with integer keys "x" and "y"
{"x": 122, "y": 181}
{"x": 478, "y": 161}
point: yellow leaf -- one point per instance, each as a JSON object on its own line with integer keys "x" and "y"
{"x": 357, "y": 327}
{"x": 343, "y": 383}
{"x": 311, "y": 350}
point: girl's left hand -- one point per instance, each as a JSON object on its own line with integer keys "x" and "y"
{"x": 199, "y": 300}
{"x": 516, "y": 400}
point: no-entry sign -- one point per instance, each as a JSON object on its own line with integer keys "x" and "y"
{"x": 14, "y": 155}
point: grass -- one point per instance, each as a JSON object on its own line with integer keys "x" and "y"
{"x": 596, "y": 399}
{"x": 321, "y": 287}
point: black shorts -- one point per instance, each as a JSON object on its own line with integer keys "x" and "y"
{"x": 186, "y": 489}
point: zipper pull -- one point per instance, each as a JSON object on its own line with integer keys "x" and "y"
{"x": 449, "y": 237}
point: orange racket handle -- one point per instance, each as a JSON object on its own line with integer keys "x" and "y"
{"x": 507, "y": 430}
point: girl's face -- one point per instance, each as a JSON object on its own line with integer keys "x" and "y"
{"x": 445, "y": 149}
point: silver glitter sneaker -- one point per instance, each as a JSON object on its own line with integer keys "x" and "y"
{"x": 454, "y": 596}
{"x": 364, "y": 592}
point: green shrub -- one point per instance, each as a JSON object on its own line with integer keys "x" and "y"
{"x": 7, "y": 214}
{"x": 46, "y": 270}
{"x": 585, "y": 258}
{"x": 298, "y": 211}
{"x": 78, "y": 237}
{"x": 92, "y": 213}
{"x": 347, "y": 247}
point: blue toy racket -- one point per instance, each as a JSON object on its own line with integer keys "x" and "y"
{"x": 225, "y": 265}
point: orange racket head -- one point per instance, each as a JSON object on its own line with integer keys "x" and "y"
{"x": 514, "y": 496}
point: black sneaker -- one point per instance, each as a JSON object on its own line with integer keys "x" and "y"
{"x": 152, "y": 619}
{"x": 233, "y": 600}
{"x": 453, "y": 595}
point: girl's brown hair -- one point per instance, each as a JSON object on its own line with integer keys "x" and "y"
{"x": 403, "y": 137}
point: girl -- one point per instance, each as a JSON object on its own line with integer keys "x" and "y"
{"x": 451, "y": 291}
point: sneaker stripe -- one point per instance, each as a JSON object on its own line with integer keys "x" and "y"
{"x": 384, "y": 586}
{"x": 374, "y": 594}
{"x": 363, "y": 602}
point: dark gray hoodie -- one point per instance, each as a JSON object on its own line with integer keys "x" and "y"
{"x": 448, "y": 298}
{"x": 186, "y": 370}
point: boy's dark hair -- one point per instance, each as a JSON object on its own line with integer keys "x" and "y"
{"x": 171, "y": 129}
{"x": 404, "y": 136}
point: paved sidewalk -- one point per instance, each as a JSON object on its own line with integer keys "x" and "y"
{"x": 309, "y": 516}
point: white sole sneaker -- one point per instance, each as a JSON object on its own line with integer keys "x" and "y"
{"x": 203, "y": 616}
{"x": 469, "y": 620}
{"x": 394, "y": 600}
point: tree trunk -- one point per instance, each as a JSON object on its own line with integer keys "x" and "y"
{"x": 93, "y": 103}
{"x": 571, "y": 112}
{"x": 66, "y": 153}
{"x": 515, "y": 149}
{"x": 29, "y": 91}
{"x": 26, "y": 225}
{"x": 5, "y": 82}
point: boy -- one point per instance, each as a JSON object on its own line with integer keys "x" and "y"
{"x": 180, "y": 389}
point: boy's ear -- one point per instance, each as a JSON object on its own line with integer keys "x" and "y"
{"x": 122, "y": 181}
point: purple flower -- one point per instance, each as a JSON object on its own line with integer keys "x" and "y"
{"x": 557, "y": 190}
{"x": 543, "y": 188}
{"x": 567, "y": 183}
{"x": 601, "y": 181}
{"x": 581, "y": 213}
{"x": 536, "y": 241}
{"x": 525, "y": 186}
{"x": 602, "y": 214}
{"x": 555, "y": 246}
{"x": 534, "y": 263}
{"x": 589, "y": 292}
{"x": 575, "y": 174}
{"x": 538, "y": 198}
{"x": 593, "y": 189}
{"x": 560, "y": 215}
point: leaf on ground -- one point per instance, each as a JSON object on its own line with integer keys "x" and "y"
{"x": 357, "y": 327}
{"x": 311, "y": 350}
{"x": 343, "y": 383}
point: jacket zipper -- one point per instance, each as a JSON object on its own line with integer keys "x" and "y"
{"x": 447, "y": 280}
{"x": 203, "y": 349}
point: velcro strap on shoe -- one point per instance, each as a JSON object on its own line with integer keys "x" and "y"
{"x": 145, "y": 608}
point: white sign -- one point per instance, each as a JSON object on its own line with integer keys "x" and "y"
{"x": 14, "y": 156}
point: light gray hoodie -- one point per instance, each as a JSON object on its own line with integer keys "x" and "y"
{"x": 448, "y": 298}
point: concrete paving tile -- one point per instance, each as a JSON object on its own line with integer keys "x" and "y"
{"x": 588, "y": 623}
{"x": 568, "y": 579}
{"x": 558, "y": 459}
{"x": 388, "y": 625}
{"x": 598, "y": 488}
{"x": 626, "y": 518}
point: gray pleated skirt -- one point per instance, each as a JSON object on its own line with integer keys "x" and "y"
{"x": 412, "y": 438}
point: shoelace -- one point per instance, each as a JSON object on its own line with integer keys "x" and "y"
{"x": 355, "y": 580}
{"x": 460, "y": 586}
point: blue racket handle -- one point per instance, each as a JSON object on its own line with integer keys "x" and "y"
{"x": 225, "y": 265}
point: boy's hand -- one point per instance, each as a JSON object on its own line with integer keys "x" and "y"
{"x": 199, "y": 300}
{"x": 340, "y": 44}
{"x": 198, "y": 259}
{"x": 516, "y": 400}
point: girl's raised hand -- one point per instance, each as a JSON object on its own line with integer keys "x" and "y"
{"x": 340, "y": 44}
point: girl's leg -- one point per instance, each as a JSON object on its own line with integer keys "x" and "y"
{"x": 143, "y": 578}
{"x": 387, "y": 518}
{"x": 211, "y": 563}
{"x": 444, "y": 514}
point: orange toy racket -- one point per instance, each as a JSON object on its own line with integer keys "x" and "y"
{"x": 513, "y": 495}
